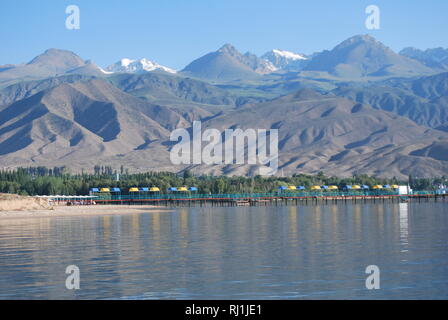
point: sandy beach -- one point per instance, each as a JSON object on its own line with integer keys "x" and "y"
{"x": 18, "y": 207}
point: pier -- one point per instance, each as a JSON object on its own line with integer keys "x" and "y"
{"x": 264, "y": 199}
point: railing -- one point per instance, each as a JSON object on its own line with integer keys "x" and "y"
{"x": 243, "y": 196}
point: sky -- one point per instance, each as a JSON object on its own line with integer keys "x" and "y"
{"x": 175, "y": 32}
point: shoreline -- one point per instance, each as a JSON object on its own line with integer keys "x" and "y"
{"x": 72, "y": 211}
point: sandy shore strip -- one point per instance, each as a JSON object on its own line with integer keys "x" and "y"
{"x": 92, "y": 210}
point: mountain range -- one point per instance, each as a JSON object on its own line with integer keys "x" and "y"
{"x": 357, "y": 108}
{"x": 434, "y": 58}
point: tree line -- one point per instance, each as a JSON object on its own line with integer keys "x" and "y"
{"x": 57, "y": 180}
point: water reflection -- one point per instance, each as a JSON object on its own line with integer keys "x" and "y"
{"x": 404, "y": 224}
{"x": 231, "y": 253}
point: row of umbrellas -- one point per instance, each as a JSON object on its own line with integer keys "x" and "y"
{"x": 193, "y": 189}
{"x": 348, "y": 187}
{"x": 143, "y": 189}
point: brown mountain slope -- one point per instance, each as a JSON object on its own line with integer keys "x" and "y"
{"x": 81, "y": 121}
{"x": 339, "y": 137}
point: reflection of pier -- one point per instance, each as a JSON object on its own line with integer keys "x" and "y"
{"x": 263, "y": 199}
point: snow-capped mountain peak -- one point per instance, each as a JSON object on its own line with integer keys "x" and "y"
{"x": 289, "y": 55}
{"x": 286, "y": 60}
{"x": 126, "y": 62}
{"x": 137, "y": 66}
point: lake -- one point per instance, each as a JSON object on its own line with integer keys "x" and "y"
{"x": 289, "y": 252}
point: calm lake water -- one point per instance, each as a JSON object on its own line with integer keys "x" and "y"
{"x": 305, "y": 252}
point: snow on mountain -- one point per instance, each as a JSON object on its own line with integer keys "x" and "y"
{"x": 287, "y": 60}
{"x": 137, "y": 66}
{"x": 289, "y": 55}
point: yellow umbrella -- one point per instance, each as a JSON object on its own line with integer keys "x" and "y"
{"x": 292, "y": 188}
{"x": 105, "y": 190}
{"x": 377, "y": 187}
{"x": 356, "y": 187}
{"x": 333, "y": 188}
{"x": 315, "y": 188}
{"x": 394, "y": 186}
{"x": 182, "y": 189}
{"x": 133, "y": 189}
{"x": 154, "y": 189}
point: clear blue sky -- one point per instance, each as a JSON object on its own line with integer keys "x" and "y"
{"x": 175, "y": 32}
